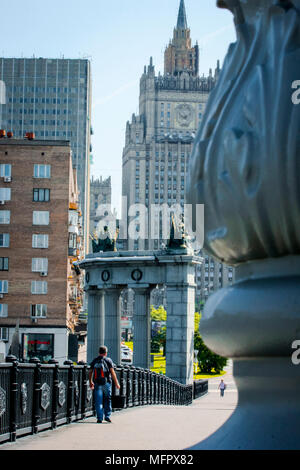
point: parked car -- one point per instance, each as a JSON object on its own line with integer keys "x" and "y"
{"x": 126, "y": 355}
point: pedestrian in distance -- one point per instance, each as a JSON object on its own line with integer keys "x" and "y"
{"x": 100, "y": 375}
{"x": 222, "y": 387}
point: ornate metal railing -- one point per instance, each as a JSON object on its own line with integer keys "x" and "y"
{"x": 35, "y": 397}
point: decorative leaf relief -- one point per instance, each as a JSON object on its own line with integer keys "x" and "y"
{"x": 247, "y": 173}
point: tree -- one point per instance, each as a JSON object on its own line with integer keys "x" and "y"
{"x": 207, "y": 359}
{"x": 159, "y": 340}
{"x": 158, "y": 314}
{"x": 197, "y": 321}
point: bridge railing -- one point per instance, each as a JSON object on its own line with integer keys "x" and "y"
{"x": 200, "y": 388}
{"x": 35, "y": 396}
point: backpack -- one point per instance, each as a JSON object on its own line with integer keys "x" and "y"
{"x": 101, "y": 372}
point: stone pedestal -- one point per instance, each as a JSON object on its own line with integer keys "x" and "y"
{"x": 112, "y": 324}
{"x": 96, "y": 323}
{"x": 141, "y": 328}
{"x": 268, "y": 413}
{"x": 256, "y": 322}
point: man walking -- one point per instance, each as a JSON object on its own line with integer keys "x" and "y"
{"x": 100, "y": 374}
{"x": 222, "y": 387}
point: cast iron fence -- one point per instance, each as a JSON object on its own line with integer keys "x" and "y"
{"x": 200, "y": 388}
{"x": 35, "y": 396}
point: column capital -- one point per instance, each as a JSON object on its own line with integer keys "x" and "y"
{"x": 94, "y": 292}
{"x": 180, "y": 285}
{"x": 140, "y": 287}
{"x": 111, "y": 290}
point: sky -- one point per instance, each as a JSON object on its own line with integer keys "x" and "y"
{"x": 118, "y": 36}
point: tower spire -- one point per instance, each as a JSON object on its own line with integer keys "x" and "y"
{"x": 180, "y": 56}
{"x": 181, "y": 21}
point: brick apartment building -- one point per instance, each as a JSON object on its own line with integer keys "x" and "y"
{"x": 40, "y": 239}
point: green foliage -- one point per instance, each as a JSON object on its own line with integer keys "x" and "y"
{"x": 197, "y": 321}
{"x": 158, "y": 314}
{"x": 155, "y": 346}
{"x": 207, "y": 359}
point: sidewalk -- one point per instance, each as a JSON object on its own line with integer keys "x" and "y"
{"x": 143, "y": 428}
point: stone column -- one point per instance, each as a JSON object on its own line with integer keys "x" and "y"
{"x": 141, "y": 328}
{"x": 113, "y": 324}
{"x": 96, "y": 322}
{"x": 180, "y": 332}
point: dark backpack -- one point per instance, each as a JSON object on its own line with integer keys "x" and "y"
{"x": 101, "y": 372}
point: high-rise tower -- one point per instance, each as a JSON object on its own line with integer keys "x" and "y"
{"x": 52, "y": 98}
{"x": 159, "y": 139}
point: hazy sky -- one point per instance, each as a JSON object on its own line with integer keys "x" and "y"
{"x": 119, "y": 36}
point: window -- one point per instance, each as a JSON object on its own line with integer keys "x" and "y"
{"x": 39, "y": 287}
{"x": 4, "y": 240}
{"x": 39, "y": 311}
{"x": 39, "y": 265}
{"x": 3, "y": 334}
{"x": 5, "y": 194}
{"x": 5, "y": 170}
{"x": 41, "y": 195}
{"x": 3, "y": 287}
{"x": 40, "y": 218}
{"x": 72, "y": 240}
{"x": 3, "y": 264}
{"x": 40, "y": 241}
{"x": 42, "y": 171}
{"x": 38, "y": 345}
{"x": 73, "y": 218}
{"x": 3, "y": 310}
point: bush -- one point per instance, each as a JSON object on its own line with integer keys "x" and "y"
{"x": 209, "y": 362}
{"x": 155, "y": 346}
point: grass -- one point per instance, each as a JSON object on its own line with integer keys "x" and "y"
{"x": 159, "y": 365}
{"x": 209, "y": 376}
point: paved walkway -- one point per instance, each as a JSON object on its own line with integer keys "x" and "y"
{"x": 143, "y": 428}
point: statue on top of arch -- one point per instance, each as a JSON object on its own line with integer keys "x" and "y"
{"x": 105, "y": 242}
{"x": 179, "y": 241}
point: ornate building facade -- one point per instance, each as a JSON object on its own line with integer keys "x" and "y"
{"x": 100, "y": 199}
{"x": 159, "y": 140}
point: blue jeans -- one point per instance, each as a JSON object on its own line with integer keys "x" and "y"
{"x": 102, "y": 395}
